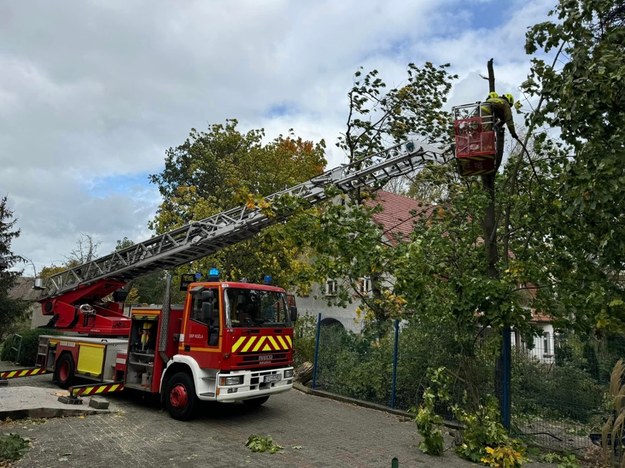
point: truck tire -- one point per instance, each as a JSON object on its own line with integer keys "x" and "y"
{"x": 64, "y": 370}
{"x": 180, "y": 398}
{"x": 256, "y": 402}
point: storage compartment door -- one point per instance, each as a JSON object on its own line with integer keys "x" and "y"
{"x": 90, "y": 360}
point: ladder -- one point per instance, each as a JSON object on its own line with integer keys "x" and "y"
{"x": 204, "y": 237}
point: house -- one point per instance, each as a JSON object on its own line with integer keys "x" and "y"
{"x": 23, "y": 289}
{"x": 396, "y": 223}
{"x": 542, "y": 346}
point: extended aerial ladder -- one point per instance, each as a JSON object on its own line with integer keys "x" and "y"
{"x": 74, "y": 297}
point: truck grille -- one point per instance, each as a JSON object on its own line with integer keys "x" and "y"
{"x": 274, "y": 358}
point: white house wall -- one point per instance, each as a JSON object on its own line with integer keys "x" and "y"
{"x": 543, "y": 348}
{"x": 317, "y": 303}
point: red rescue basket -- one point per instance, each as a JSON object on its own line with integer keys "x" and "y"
{"x": 475, "y": 138}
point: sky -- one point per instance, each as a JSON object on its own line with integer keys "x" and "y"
{"x": 93, "y": 92}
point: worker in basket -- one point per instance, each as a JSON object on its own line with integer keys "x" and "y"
{"x": 501, "y": 108}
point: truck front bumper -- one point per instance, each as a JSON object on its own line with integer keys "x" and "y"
{"x": 243, "y": 385}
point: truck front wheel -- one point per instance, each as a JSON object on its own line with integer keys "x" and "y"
{"x": 64, "y": 370}
{"x": 180, "y": 398}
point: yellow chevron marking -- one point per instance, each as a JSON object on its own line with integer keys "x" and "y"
{"x": 273, "y": 342}
{"x": 11, "y": 374}
{"x": 259, "y": 343}
{"x": 100, "y": 390}
{"x": 262, "y": 343}
{"x": 249, "y": 343}
{"x": 282, "y": 342}
{"x": 237, "y": 344}
{"x": 114, "y": 387}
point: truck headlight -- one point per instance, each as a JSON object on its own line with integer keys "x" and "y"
{"x": 288, "y": 374}
{"x": 230, "y": 380}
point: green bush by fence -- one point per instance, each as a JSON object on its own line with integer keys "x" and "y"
{"x": 554, "y": 391}
{"x": 557, "y": 395}
{"x": 28, "y": 349}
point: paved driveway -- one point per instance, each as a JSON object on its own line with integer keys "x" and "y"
{"x": 314, "y": 431}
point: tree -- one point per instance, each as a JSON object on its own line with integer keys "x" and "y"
{"x": 377, "y": 119}
{"x": 11, "y": 309}
{"x": 223, "y": 168}
{"x": 582, "y": 198}
{"x": 86, "y": 250}
{"x": 345, "y": 242}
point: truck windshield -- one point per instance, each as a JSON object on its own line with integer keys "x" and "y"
{"x": 256, "y": 308}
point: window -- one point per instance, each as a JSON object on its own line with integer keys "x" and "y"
{"x": 201, "y": 314}
{"x": 196, "y": 310}
{"x": 256, "y": 308}
{"x": 547, "y": 344}
{"x": 331, "y": 287}
{"x": 363, "y": 286}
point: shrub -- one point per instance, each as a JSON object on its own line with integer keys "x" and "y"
{"x": 563, "y": 391}
{"x": 613, "y": 430}
{"x": 485, "y": 439}
{"x": 428, "y": 421}
{"x": 428, "y": 425}
{"x": 304, "y": 339}
{"x": 28, "y": 349}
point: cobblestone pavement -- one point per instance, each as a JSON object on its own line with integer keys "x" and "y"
{"x": 314, "y": 431}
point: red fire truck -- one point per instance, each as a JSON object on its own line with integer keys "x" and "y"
{"x": 228, "y": 342}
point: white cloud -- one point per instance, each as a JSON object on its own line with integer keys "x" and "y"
{"x": 95, "y": 91}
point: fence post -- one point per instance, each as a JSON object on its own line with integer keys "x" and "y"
{"x": 506, "y": 366}
{"x": 316, "y": 363}
{"x": 395, "y": 354}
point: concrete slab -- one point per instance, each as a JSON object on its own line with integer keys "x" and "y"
{"x": 36, "y": 402}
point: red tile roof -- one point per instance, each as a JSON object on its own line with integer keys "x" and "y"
{"x": 398, "y": 214}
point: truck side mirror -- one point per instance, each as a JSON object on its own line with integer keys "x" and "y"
{"x": 293, "y": 311}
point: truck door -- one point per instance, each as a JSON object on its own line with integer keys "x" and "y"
{"x": 202, "y": 335}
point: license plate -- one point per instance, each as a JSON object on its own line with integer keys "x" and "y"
{"x": 271, "y": 378}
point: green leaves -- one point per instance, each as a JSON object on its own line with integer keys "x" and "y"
{"x": 222, "y": 168}
{"x": 378, "y": 117}
{"x": 260, "y": 443}
{"x": 12, "y": 447}
{"x": 10, "y": 309}
{"x": 583, "y": 98}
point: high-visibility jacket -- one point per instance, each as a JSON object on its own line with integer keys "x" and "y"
{"x": 501, "y": 110}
